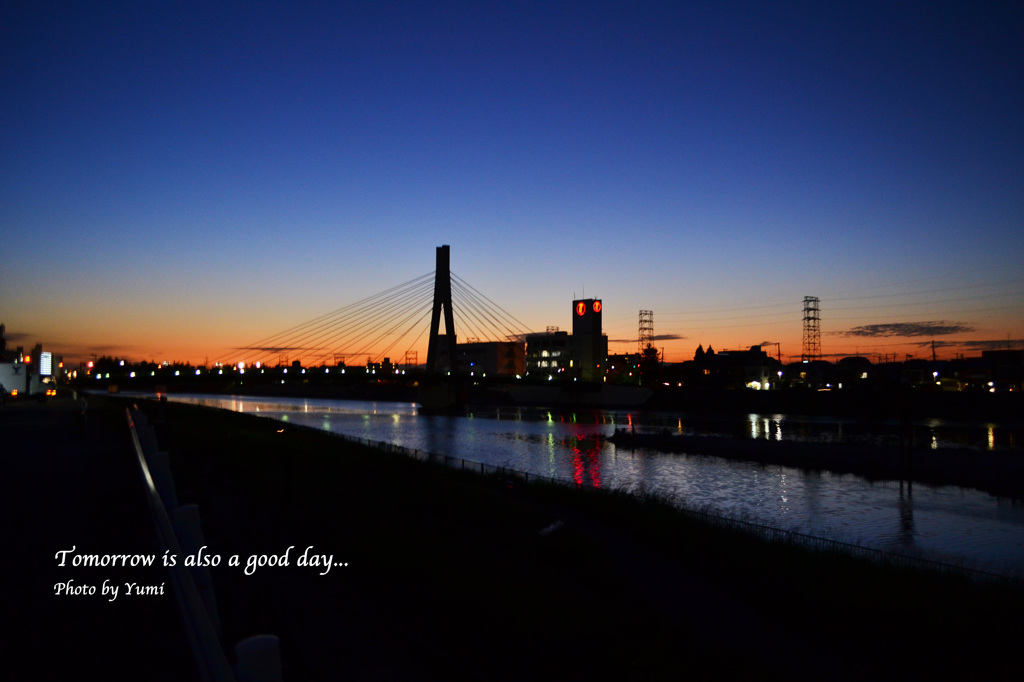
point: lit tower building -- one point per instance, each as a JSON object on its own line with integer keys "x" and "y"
{"x": 589, "y": 345}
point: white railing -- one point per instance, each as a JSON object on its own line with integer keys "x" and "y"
{"x": 179, "y": 533}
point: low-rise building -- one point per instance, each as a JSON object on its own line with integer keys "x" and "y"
{"x": 493, "y": 358}
{"x": 548, "y": 353}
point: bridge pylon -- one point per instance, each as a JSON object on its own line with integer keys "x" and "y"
{"x": 442, "y": 302}
{"x": 442, "y": 394}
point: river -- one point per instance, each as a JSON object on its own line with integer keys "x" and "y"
{"x": 951, "y": 524}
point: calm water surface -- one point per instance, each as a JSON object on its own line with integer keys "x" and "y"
{"x": 944, "y": 523}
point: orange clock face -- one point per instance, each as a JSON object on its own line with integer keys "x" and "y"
{"x": 581, "y": 308}
{"x": 597, "y": 306}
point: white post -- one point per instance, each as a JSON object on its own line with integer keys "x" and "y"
{"x": 259, "y": 659}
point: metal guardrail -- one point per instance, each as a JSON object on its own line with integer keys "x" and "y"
{"x": 258, "y": 657}
{"x": 765, "y": 532}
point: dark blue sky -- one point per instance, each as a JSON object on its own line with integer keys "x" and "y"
{"x": 249, "y": 166}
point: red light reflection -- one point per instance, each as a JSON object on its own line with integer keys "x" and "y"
{"x": 586, "y": 460}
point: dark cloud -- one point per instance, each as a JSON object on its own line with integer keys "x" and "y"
{"x": 105, "y": 350}
{"x": 275, "y": 349}
{"x": 940, "y": 328}
{"x": 16, "y": 337}
{"x": 656, "y": 337}
{"x": 977, "y": 345}
{"x": 75, "y": 353}
{"x": 940, "y": 344}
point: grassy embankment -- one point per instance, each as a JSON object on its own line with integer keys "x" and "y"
{"x": 449, "y": 576}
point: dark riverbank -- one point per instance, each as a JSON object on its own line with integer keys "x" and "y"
{"x": 891, "y": 402}
{"x": 1000, "y": 473}
{"x": 455, "y": 576}
{"x": 73, "y": 483}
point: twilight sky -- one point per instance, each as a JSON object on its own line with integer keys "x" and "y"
{"x": 181, "y": 179}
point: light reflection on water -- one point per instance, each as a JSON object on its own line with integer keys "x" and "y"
{"x": 945, "y": 523}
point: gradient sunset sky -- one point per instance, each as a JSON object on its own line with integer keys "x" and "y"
{"x": 183, "y": 179}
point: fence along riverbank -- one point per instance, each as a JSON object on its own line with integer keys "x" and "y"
{"x": 762, "y": 531}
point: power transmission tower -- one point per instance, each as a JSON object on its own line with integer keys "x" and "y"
{"x": 646, "y": 334}
{"x": 812, "y": 330}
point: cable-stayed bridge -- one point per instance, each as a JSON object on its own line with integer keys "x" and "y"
{"x": 391, "y": 324}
